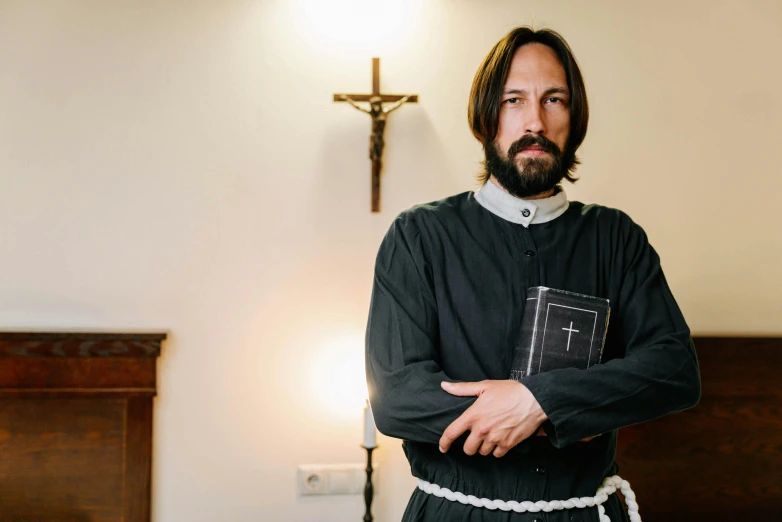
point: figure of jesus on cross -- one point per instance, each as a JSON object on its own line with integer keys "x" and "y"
{"x": 379, "y": 115}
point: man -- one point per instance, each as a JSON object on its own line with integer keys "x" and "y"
{"x": 451, "y": 280}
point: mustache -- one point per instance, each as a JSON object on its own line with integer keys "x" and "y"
{"x": 530, "y": 140}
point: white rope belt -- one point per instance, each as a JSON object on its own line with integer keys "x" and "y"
{"x": 609, "y": 487}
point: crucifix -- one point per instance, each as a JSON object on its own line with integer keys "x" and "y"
{"x": 569, "y": 333}
{"x": 379, "y": 114}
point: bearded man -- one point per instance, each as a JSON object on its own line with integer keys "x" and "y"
{"x": 451, "y": 282}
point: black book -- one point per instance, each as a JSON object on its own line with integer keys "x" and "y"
{"x": 560, "y": 329}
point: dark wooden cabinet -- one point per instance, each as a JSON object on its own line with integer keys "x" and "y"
{"x": 76, "y": 426}
{"x": 722, "y": 460}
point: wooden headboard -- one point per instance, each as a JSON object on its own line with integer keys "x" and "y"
{"x": 76, "y": 426}
{"x": 721, "y": 460}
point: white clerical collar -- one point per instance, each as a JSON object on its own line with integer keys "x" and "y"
{"x": 521, "y": 211}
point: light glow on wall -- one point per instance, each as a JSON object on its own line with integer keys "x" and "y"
{"x": 337, "y": 377}
{"x": 371, "y": 25}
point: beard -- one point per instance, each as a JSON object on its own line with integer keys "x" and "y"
{"x": 524, "y": 177}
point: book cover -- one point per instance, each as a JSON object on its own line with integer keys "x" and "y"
{"x": 560, "y": 329}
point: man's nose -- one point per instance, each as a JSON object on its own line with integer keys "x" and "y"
{"x": 534, "y": 120}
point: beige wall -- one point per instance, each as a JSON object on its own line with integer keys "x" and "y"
{"x": 179, "y": 165}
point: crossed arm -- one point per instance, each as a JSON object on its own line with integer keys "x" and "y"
{"x": 658, "y": 375}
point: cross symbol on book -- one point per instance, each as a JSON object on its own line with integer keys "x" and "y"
{"x": 569, "y": 333}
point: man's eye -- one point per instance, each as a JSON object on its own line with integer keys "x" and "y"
{"x": 554, "y": 99}
{"x": 512, "y": 100}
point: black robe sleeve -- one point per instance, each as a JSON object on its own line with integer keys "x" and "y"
{"x": 658, "y": 374}
{"x": 402, "y": 345}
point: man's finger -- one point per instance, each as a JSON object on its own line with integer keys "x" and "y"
{"x": 486, "y": 448}
{"x": 473, "y": 443}
{"x": 499, "y": 452}
{"x": 463, "y": 389}
{"x": 454, "y": 431}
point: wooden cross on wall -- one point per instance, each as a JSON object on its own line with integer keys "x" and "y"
{"x": 379, "y": 114}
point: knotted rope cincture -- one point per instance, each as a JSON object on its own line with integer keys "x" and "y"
{"x": 608, "y": 487}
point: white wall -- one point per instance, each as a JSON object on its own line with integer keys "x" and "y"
{"x": 179, "y": 165}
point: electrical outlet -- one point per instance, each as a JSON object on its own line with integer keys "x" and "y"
{"x": 311, "y": 480}
{"x": 333, "y": 479}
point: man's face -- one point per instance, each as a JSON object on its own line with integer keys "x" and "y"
{"x": 534, "y": 123}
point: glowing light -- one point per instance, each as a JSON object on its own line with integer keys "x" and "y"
{"x": 337, "y": 376}
{"x": 369, "y": 24}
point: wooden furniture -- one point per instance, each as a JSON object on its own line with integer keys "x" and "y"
{"x": 76, "y": 426}
{"x": 721, "y": 460}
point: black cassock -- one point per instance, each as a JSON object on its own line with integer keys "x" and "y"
{"x": 451, "y": 280}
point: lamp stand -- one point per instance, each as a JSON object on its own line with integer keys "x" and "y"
{"x": 368, "y": 491}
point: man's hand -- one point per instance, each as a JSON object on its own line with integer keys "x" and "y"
{"x": 505, "y": 413}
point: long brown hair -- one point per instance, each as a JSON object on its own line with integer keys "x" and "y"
{"x": 484, "y": 106}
